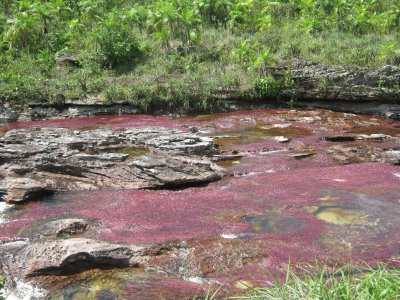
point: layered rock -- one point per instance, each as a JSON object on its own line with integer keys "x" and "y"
{"x": 345, "y": 88}
{"x": 315, "y": 81}
{"x": 42, "y": 160}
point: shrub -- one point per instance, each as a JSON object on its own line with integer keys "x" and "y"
{"x": 21, "y": 79}
{"x": 119, "y": 46}
{"x": 117, "y": 93}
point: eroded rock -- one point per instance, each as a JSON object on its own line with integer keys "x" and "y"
{"x": 43, "y": 160}
{"x": 315, "y": 81}
{"x": 63, "y": 256}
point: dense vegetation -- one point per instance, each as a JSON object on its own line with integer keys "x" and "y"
{"x": 183, "y": 54}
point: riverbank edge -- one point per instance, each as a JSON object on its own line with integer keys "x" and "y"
{"x": 338, "y": 88}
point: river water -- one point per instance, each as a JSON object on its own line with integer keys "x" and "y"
{"x": 297, "y": 192}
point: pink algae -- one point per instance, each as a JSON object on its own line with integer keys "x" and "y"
{"x": 108, "y": 121}
{"x": 131, "y": 217}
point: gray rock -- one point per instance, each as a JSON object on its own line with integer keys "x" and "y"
{"x": 374, "y": 137}
{"x": 46, "y": 160}
{"x": 394, "y": 116}
{"x": 8, "y": 115}
{"x": 315, "y": 81}
{"x": 63, "y": 256}
{"x": 40, "y": 113}
{"x": 63, "y": 59}
{"x": 393, "y": 156}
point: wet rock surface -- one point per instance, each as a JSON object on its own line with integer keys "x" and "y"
{"x": 38, "y": 161}
{"x": 326, "y": 196}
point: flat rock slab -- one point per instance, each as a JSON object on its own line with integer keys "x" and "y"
{"x": 37, "y": 161}
{"x": 63, "y": 256}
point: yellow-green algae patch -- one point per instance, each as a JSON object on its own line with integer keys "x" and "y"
{"x": 340, "y": 215}
{"x": 228, "y": 163}
{"x": 131, "y": 151}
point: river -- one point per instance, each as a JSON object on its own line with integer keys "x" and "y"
{"x": 313, "y": 188}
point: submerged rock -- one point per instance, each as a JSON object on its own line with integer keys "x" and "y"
{"x": 38, "y": 161}
{"x": 60, "y": 228}
{"x": 302, "y": 155}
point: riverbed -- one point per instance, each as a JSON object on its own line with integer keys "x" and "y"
{"x": 308, "y": 188}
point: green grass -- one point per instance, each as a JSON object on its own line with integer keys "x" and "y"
{"x": 371, "y": 284}
{"x": 2, "y": 282}
{"x": 347, "y": 283}
{"x": 180, "y": 55}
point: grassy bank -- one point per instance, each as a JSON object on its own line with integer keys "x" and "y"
{"x": 381, "y": 283}
{"x": 182, "y": 55}
{"x": 374, "y": 284}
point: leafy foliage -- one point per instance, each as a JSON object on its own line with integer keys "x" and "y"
{"x": 270, "y": 87}
{"x": 172, "y": 40}
{"x": 118, "y": 44}
{"x": 267, "y": 87}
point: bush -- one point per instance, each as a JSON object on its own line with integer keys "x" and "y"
{"x": 119, "y": 46}
{"x": 117, "y": 93}
{"x": 22, "y": 79}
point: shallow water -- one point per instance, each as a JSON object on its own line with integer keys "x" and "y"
{"x": 307, "y": 200}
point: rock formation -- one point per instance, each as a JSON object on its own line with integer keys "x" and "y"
{"x": 34, "y": 162}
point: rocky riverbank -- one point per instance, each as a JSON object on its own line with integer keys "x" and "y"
{"x": 347, "y": 89}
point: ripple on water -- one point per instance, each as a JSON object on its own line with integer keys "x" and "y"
{"x": 24, "y": 291}
{"x": 3, "y": 209}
